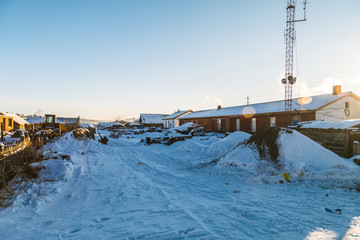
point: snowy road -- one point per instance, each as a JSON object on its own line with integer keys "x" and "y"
{"x": 109, "y": 195}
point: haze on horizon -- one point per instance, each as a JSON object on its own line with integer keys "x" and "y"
{"x": 110, "y": 59}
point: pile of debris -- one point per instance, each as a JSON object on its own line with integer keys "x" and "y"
{"x": 82, "y": 134}
{"x": 265, "y": 142}
{"x": 190, "y": 128}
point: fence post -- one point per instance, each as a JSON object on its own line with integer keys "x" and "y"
{"x": 2, "y": 131}
{"x": 356, "y": 148}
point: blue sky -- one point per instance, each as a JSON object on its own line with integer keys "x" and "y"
{"x": 109, "y": 59}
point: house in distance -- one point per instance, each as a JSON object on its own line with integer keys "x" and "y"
{"x": 152, "y": 120}
{"x": 172, "y": 120}
{"x": 252, "y": 118}
{"x": 12, "y": 121}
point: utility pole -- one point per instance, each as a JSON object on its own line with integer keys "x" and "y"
{"x": 290, "y": 36}
{"x": 247, "y": 100}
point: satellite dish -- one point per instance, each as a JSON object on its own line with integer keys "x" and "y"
{"x": 290, "y": 78}
{"x": 283, "y": 81}
{"x": 293, "y": 81}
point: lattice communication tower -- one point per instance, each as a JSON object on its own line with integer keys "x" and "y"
{"x": 290, "y": 36}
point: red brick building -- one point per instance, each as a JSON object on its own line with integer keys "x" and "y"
{"x": 256, "y": 117}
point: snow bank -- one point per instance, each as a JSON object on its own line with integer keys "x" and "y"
{"x": 190, "y": 146}
{"x": 212, "y": 146}
{"x": 227, "y": 143}
{"x": 66, "y": 162}
{"x": 299, "y": 156}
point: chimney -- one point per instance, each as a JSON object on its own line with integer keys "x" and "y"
{"x": 336, "y": 89}
{"x": 219, "y": 107}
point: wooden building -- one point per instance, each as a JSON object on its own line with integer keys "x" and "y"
{"x": 340, "y": 137}
{"x": 19, "y": 123}
{"x": 12, "y": 121}
{"x": 152, "y": 120}
{"x": 7, "y": 122}
{"x": 256, "y": 117}
{"x": 172, "y": 120}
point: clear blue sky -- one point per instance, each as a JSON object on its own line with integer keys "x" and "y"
{"x": 108, "y": 59}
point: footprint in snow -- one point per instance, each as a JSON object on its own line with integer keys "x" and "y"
{"x": 102, "y": 219}
{"x": 75, "y": 230}
{"x": 186, "y": 231}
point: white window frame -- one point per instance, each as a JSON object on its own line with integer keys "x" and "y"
{"x": 218, "y": 121}
{"x": 272, "y": 121}
{"x": 238, "y": 124}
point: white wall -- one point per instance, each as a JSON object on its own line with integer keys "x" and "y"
{"x": 168, "y": 122}
{"x": 336, "y": 111}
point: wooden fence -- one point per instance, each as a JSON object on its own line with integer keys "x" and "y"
{"x": 10, "y": 148}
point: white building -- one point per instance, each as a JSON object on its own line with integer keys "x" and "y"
{"x": 172, "y": 120}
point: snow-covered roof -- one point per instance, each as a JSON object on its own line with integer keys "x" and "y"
{"x": 16, "y": 118}
{"x": 152, "y": 118}
{"x": 33, "y": 120}
{"x": 302, "y": 103}
{"x": 345, "y": 124}
{"x": 176, "y": 114}
{"x": 66, "y": 120}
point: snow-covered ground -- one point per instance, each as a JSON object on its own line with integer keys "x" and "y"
{"x": 202, "y": 188}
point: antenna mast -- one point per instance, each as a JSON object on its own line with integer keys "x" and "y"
{"x": 289, "y": 79}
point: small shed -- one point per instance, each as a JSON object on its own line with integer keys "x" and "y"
{"x": 339, "y": 137}
{"x": 18, "y": 122}
{"x": 6, "y": 121}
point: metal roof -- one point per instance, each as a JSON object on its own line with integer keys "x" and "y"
{"x": 302, "y": 103}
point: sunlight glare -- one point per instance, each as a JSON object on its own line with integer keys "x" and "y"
{"x": 321, "y": 234}
{"x": 248, "y": 111}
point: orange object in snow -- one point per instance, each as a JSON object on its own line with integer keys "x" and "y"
{"x": 286, "y": 176}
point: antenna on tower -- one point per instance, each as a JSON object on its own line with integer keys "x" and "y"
{"x": 247, "y": 100}
{"x": 289, "y": 35}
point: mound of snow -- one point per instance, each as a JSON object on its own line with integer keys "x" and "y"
{"x": 224, "y": 145}
{"x": 212, "y": 146}
{"x": 191, "y": 146}
{"x": 299, "y": 156}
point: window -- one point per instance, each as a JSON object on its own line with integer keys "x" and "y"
{"x": 272, "y": 122}
{"x": 347, "y": 105}
{"x": 218, "y": 124}
{"x": 296, "y": 119}
{"x": 253, "y": 125}
{"x": 238, "y": 124}
{"x": 50, "y": 119}
{"x": 10, "y": 123}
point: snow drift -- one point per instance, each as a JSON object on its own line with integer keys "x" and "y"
{"x": 291, "y": 153}
{"x": 213, "y": 146}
